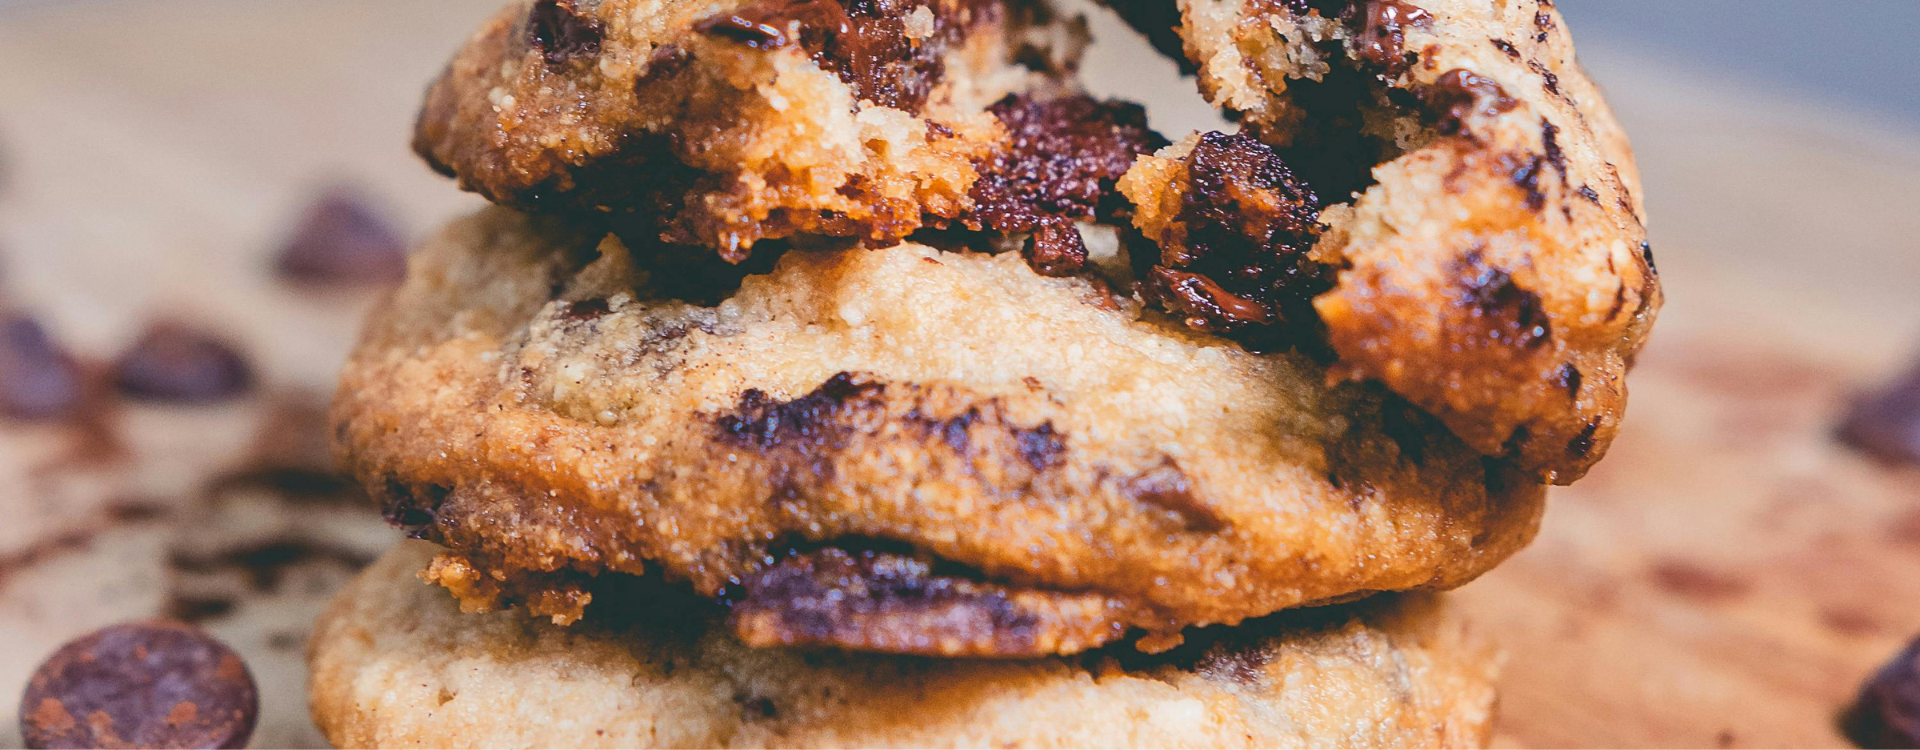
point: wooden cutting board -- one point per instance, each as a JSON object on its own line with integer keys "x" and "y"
{"x": 1726, "y": 577}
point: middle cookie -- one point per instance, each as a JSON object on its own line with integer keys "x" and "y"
{"x": 902, "y": 449}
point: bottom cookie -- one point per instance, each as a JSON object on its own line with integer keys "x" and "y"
{"x": 395, "y": 663}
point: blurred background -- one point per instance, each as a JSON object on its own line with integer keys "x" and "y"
{"x": 1726, "y": 578}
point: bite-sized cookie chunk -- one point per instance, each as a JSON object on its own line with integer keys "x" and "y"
{"x": 1479, "y": 245}
{"x": 721, "y": 123}
{"x": 900, "y": 449}
{"x": 395, "y": 664}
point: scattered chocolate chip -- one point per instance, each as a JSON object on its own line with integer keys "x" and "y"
{"x": 1887, "y": 713}
{"x": 155, "y": 684}
{"x": 174, "y": 363}
{"x": 37, "y": 379}
{"x": 561, "y": 32}
{"x": 1886, "y": 423}
{"x": 343, "y": 240}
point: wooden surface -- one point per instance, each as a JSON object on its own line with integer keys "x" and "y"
{"x": 1726, "y": 577}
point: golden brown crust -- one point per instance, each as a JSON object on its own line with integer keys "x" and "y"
{"x": 395, "y": 665}
{"x": 722, "y": 123}
{"x": 1494, "y": 269}
{"x": 989, "y": 417}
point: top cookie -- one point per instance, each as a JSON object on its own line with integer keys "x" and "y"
{"x": 1482, "y": 250}
{"x": 719, "y": 124}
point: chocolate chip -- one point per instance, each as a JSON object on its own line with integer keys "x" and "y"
{"x": 1381, "y": 34}
{"x": 1055, "y": 249}
{"x": 153, "y": 684}
{"x": 1241, "y": 258}
{"x": 1059, "y": 164}
{"x": 37, "y": 379}
{"x": 561, "y": 32}
{"x": 1886, "y": 424}
{"x": 1458, "y": 96}
{"x": 343, "y": 240}
{"x": 586, "y": 309}
{"x": 171, "y": 362}
{"x": 1887, "y": 713}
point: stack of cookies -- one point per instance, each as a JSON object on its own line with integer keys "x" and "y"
{"x": 839, "y": 372}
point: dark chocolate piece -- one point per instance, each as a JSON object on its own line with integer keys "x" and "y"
{"x": 883, "y": 601}
{"x": 37, "y": 380}
{"x": 1887, "y": 713}
{"x": 562, "y": 32}
{"x": 171, "y": 362}
{"x": 1059, "y": 165}
{"x": 156, "y": 684}
{"x": 1886, "y": 423}
{"x": 1240, "y": 256}
{"x": 343, "y": 240}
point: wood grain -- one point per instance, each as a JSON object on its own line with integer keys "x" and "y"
{"x": 1726, "y": 577}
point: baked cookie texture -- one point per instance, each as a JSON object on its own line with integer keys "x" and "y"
{"x": 1481, "y": 250}
{"x": 900, "y": 449}
{"x": 724, "y": 122}
{"x": 395, "y": 664}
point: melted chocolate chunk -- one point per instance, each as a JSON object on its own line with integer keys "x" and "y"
{"x": 864, "y": 42}
{"x": 343, "y": 240}
{"x": 1381, "y": 34}
{"x": 1237, "y": 254}
{"x": 1201, "y": 303}
{"x": 37, "y": 380}
{"x": 1886, "y": 423}
{"x": 1458, "y": 96}
{"x": 1058, "y": 165}
{"x": 1506, "y": 312}
{"x": 888, "y": 602}
{"x": 562, "y": 32}
{"x": 148, "y": 684}
{"x": 1887, "y": 713}
{"x": 1570, "y": 380}
{"x": 1168, "y": 487}
{"x": 762, "y": 422}
{"x": 1056, "y": 249}
{"x": 173, "y": 363}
